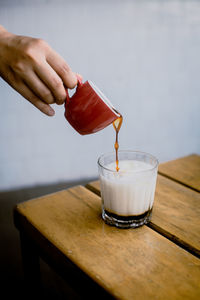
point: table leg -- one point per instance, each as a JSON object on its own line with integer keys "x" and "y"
{"x": 31, "y": 266}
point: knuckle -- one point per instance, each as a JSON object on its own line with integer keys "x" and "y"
{"x": 31, "y": 48}
{"x": 64, "y": 69}
{"x": 28, "y": 49}
{"x": 33, "y": 99}
{"x": 58, "y": 90}
{"x": 57, "y": 83}
{"x": 49, "y": 101}
{"x": 66, "y": 73}
{"x": 18, "y": 66}
{"x": 40, "y": 43}
{"x": 47, "y": 96}
{"x": 62, "y": 96}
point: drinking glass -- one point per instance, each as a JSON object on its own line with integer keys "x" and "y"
{"x": 128, "y": 194}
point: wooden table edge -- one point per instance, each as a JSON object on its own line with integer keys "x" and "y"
{"x": 60, "y": 263}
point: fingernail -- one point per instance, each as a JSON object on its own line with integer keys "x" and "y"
{"x": 51, "y": 112}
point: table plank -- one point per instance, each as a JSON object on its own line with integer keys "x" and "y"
{"x": 185, "y": 170}
{"x": 132, "y": 263}
{"x": 175, "y": 214}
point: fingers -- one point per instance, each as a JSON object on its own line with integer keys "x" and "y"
{"x": 52, "y": 81}
{"x": 62, "y": 69}
{"x": 38, "y": 87}
{"x": 27, "y": 93}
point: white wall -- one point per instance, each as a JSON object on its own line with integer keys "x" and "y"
{"x": 144, "y": 55}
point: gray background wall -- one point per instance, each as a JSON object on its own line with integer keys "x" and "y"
{"x": 144, "y": 55}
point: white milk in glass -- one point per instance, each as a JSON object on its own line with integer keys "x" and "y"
{"x": 130, "y": 191}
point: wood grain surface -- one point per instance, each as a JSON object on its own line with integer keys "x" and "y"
{"x": 185, "y": 170}
{"x": 129, "y": 264}
{"x": 176, "y": 213}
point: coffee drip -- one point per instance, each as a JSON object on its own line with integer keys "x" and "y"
{"x": 117, "y": 125}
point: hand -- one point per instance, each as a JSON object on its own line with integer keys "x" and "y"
{"x": 35, "y": 70}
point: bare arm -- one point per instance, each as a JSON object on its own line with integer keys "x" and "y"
{"x": 35, "y": 70}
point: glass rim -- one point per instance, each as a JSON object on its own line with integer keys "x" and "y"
{"x": 128, "y": 151}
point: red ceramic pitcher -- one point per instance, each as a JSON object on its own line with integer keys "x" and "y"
{"x": 88, "y": 110}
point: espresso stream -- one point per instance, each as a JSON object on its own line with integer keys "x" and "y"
{"x": 117, "y": 125}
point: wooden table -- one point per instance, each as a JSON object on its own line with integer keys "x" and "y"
{"x": 157, "y": 261}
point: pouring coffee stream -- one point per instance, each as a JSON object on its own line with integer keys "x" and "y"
{"x": 117, "y": 125}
